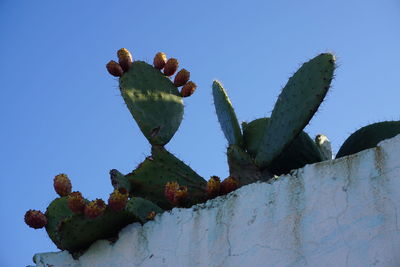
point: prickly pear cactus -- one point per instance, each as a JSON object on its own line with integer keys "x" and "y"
{"x": 301, "y": 151}
{"x": 74, "y": 223}
{"x": 279, "y": 145}
{"x": 256, "y": 151}
{"x": 153, "y": 101}
{"x": 150, "y": 177}
{"x": 157, "y": 106}
{"x": 369, "y": 137}
{"x": 226, "y": 115}
{"x": 296, "y": 105}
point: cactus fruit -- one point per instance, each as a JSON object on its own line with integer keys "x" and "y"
{"x": 62, "y": 185}
{"x": 181, "y": 78}
{"x": 35, "y": 219}
{"x": 180, "y": 197}
{"x": 188, "y": 89}
{"x": 213, "y": 187}
{"x": 118, "y": 199}
{"x": 124, "y": 59}
{"x": 171, "y": 66}
{"x": 228, "y": 185}
{"x": 94, "y": 208}
{"x": 170, "y": 189}
{"x": 369, "y": 137}
{"x": 114, "y": 69}
{"x": 153, "y": 100}
{"x": 160, "y": 60}
{"x": 76, "y": 203}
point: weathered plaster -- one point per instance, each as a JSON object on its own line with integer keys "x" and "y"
{"x": 334, "y": 213}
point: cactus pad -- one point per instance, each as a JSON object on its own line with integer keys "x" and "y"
{"x": 369, "y": 137}
{"x": 74, "y": 232}
{"x": 226, "y": 115}
{"x": 148, "y": 180}
{"x": 301, "y": 151}
{"x": 153, "y": 100}
{"x": 295, "y": 107}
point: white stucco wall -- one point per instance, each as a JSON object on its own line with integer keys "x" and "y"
{"x": 334, "y": 213}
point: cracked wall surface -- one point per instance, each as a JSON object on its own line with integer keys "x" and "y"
{"x": 334, "y": 213}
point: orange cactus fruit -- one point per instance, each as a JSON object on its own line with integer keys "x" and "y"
{"x": 228, "y": 185}
{"x": 95, "y": 208}
{"x": 213, "y": 187}
{"x": 118, "y": 199}
{"x": 76, "y": 203}
{"x": 151, "y": 215}
{"x": 160, "y": 60}
{"x": 180, "y": 196}
{"x": 124, "y": 59}
{"x": 171, "y": 66}
{"x": 188, "y": 89}
{"x": 181, "y": 78}
{"x": 170, "y": 189}
{"x": 62, "y": 185}
{"x": 35, "y": 219}
{"x": 114, "y": 69}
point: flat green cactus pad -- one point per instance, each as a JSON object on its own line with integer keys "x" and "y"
{"x": 369, "y": 137}
{"x": 295, "y": 107}
{"x": 153, "y": 100}
{"x": 76, "y": 232}
{"x": 226, "y": 115}
{"x": 148, "y": 180}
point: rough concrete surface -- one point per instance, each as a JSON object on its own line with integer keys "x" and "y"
{"x": 334, "y": 213}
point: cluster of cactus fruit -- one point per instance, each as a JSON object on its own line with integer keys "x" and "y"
{"x": 256, "y": 151}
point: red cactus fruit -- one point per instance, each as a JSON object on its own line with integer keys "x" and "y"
{"x": 180, "y": 196}
{"x": 114, "y": 69}
{"x": 170, "y": 189}
{"x": 124, "y": 59}
{"x": 188, "y": 89}
{"x": 213, "y": 187}
{"x": 95, "y": 208}
{"x": 228, "y": 185}
{"x": 62, "y": 185}
{"x": 159, "y": 60}
{"x": 118, "y": 199}
{"x": 76, "y": 203}
{"x": 181, "y": 78}
{"x": 151, "y": 215}
{"x": 35, "y": 219}
{"x": 171, "y": 66}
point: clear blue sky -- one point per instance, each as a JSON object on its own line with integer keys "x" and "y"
{"x": 61, "y": 111}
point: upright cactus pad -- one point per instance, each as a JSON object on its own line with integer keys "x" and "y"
{"x": 152, "y": 98}
{"x": 150, "y": 177}
{"x": 369, "y": 137}
{"x": 226, "y": 115}
{"x": 153, "y": 101}
{"x": 296, "y": 105}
